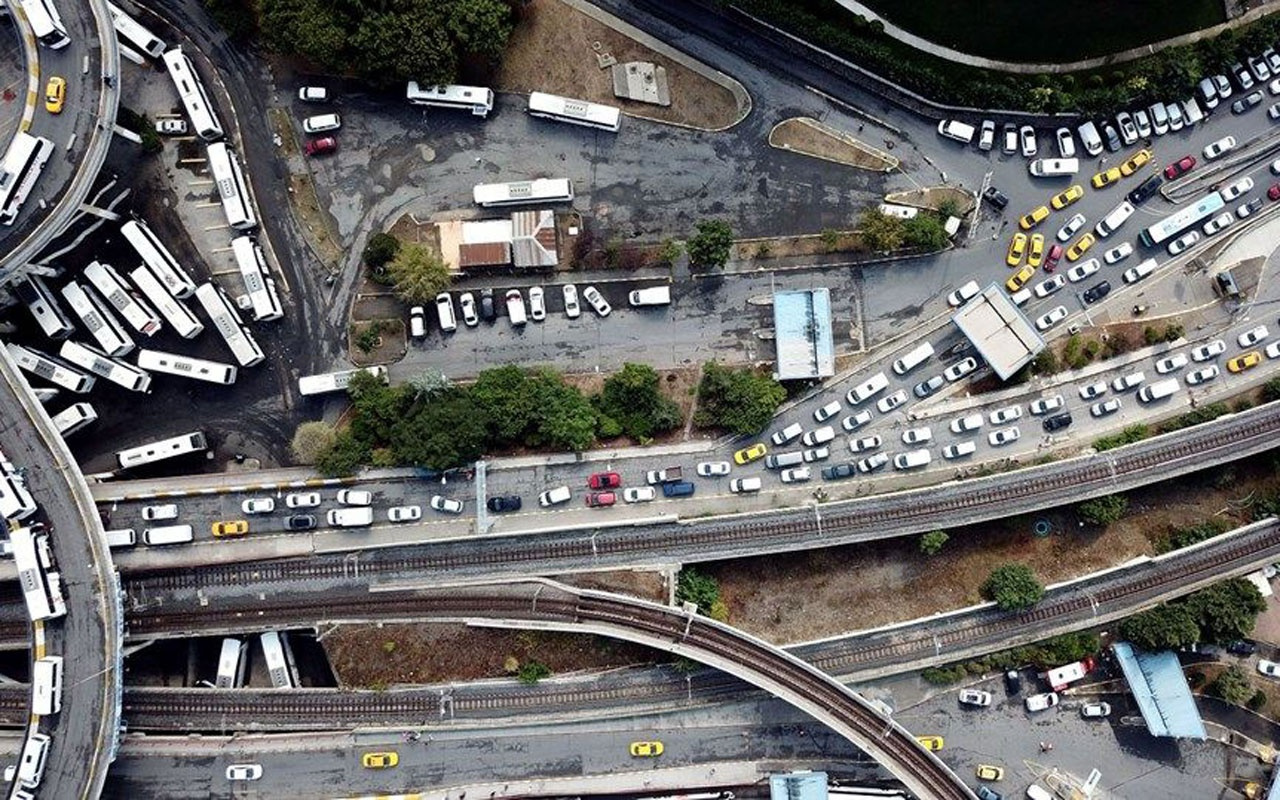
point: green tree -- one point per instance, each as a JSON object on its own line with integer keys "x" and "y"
{"x": 633, "y": 399}
{"x": 567, "y": 420}
{"x": 1103, "y": 511}
{"x": 507, "y": 402}
{"x": 1271, "y": 390}
{"x": 311, "y": 440}
{"x": 1164, "y": 627}
{"x": 533, "y": 671}
{"x": 699, "y": 588}
{"x": 738, "y": 400}
{"x": 429, "y": 383}
{"x": 1013, "y": 587}
{"x": 925, "y": 230}
{"x": 1232, "y": 685}
{"x": 417, "y": 274}
{"x": 1226, "y": 611}
{"x": 479, "y": 27}
{"x": 236, "y": 17}
{"x": 932, "y": 542}
{"x": 379, "y": 250}
{"x": 343, "y": 457}
{"x": 670, "y": 252}
{"x": 710, "y": 246}
{"x": 881, "y": 232}
{"x": 378, "y": 408}
{"x": 439, "y": 433}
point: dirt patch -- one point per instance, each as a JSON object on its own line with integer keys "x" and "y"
{"x": 554, "y": 49}
{"x": 324, "y": 242}
{"x": 814, "y": 244}
{"x": 377, "y": 341}
{"x": 812, "y": 138}
{"x": 933, "y": 198}
{"x": 645, "y": 585}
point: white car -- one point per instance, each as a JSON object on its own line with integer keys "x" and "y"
{"x": 1083, "y": 270}
{"x": 302, "y": 500}
{"x": 1027, "y": 135}
{"x": 917, "y": 436}
{"x": 744, "y": 485}
{"x": 258, "y": 505}
{"x": 1004, "y": 436}
{"x": 639, "y": 494}
{"x": 1218, "y": 223}
{"x": 713, "y": 469}
{"x": 962, "y": 295}
{"x": 827, "y": 412}
{"x": 1095, "y": 710}
{"x": 161, "y": 512}
{"x": 244, "y": 772}
{"x": 816, "y": 454}
{"x": 796, "y": 475}
{"x": 787, "y": 434}
{"x": 515, "y": 307}
{"x": 1117, "y": 254}
{"x": 873, "y": 462}
{"x": 571, "y": 307}
{"x": 1236, "y": 189}
{"x": 1252, "y": 336}
{"x": 537, "y": 304}
{"x": 1171, "y": 364}
{"x": 1093, "y": 390}
{"x": 1047, "y": 321}
{"x": 887, "y": 404}
{"x": 1202, "y": 375}
{"x": 865, "y": 443}
{"x": 467, "y": 302}
{"x": 446, "y": 505}
{"x": 171, "y": 127}
{"x": 1040, "y": 702}
{"x": 959, "y": 449}
{"x": 1105, "y": 407}
{"x": 966, "y": 424}
{"x": 404, "y": 513}
{"x": 1066, "y": 143}
{"x": 444, "y": 312}
{"x": 1074, "y": 224}
{"x": 1044, "y": 405}
{"x": 313, "y": 94}
{"x": 355, "y": 497}
{"x": 1273, "y": 350}
{"x": 959, "y": 369}
{"x": 1269, "y": 668}
{"x": 976, "y": 697}
{"x": 1209, "y": 350}
{"x": 819, "y": 436}
{"x": 855, "y": 421}
{"x": 321, "y": 123}
{"x": 1217, "y": 149}
{"x": 1050, "y": 285}
{"x": 596, "y": 301}
{"x": 1007, "y": 414}
{"x": 1184, "y": 241}
{"x": 554, "y": 497}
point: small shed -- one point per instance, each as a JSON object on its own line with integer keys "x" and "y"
{"x": 999, "y": 331}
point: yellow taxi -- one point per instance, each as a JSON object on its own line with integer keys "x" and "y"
{"x": 1106, "y": 178}
{"x": 1247, "y": 361}
{"x": 933, "y": 743}
{"x": 1034, "y": 218}
{"x": 1017, "y": 249}
{"x": 1037, "y": 250}
{"x": 646, "y": 749}
{"x": 1135, "y": 162}
{"x": 235, "y": 527}
{"x": 1020, "y": 278}
{"x": 1081, "y": 246}
{"x": 1067, "y": 196}
{"x": 986, "y": 772}
{"x": 55, "y": 94}
{"x": 748, "y": 454}
{"x": 379, "y": 760}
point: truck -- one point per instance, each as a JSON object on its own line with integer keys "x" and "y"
{"x": 668, "y": 475}
{"x": 651, "y": 296}
{"x": 1061, "y": 677}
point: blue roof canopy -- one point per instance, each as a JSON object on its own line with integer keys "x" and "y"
{"x": 1161, "y": 691}
{"x": 802, "y": 333}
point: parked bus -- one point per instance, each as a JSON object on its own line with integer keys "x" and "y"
{"x": 30, "y": 769}
{"x": 1183, "y": 218}
{"x": 231, "y": 665}
{"x": 133, "y": 309}
{"x": 33, "y": 293}
{"x": 186, "y": 367}
{"x": 278, "y": 662}
{"x": 98, "y": 320}
{"x": 476, "y": 99}
{"x": 46, "y": 23}
{"x": 194, "y": 98}
{"x": 171, "y": 308}
{"x": 74, "y": 418}
{"x": 131, "y": 33}
{"x": 575, "y": 112}
{"x": 232, "y": 189}
{"x": 46, "y": 685}
{"x": 542, "y": 190}
{"x": 51, "y": 369}
{"x": 158, "y": 258}
{"x": 100, "y": 364}
{"x": 257, "y": 279}
{"x": 226, "y": 321}
{"x": 168, "y": 534}
{"x": 23, "y": 163}
{"x": 16, "y": 503}
{"x": 41, "y": 585}
{"x": 172, "y": 447}
{"x": 335, "y": 381}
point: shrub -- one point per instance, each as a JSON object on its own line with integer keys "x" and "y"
{"x": 533, "y": 671}
{"x": 1103, "y": 511}
{"x": 710, "y": 246}
{"x": 1185, "y": 537}
{"x": 1131, "y": 434}
{"x": 670, "y": 252}
{"x": 737, "y": 399}
{"x": 1013, "y": 587}
{"x": 925, "y": 231}
{"x": 931, "y": 543}
{"x": 1271, "y": 390}
{"x": 1232, "y": 685}
{"x": 343, "y": 457}
{"x": 1258, "y": 701}
{"x": 310, "y": 440}
{"x": 379, "y": 250}
{"x": 698, "y": 588}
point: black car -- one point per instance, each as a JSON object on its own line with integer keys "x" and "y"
{"x": 1146, "y": 190}
{"x": 1013, "y": 681}
{"x": 500, "y": 504}
{"x": 995, "y": 197}
{"x": 487, "y": 311}
{"x": 301, "y": 522}
{"x": 1096, "y": 292}
{"x": 1057, "y": 422}
{"x": 1242, "y": 648}
{"x": 838, "y": 471}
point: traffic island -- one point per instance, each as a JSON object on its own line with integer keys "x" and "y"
{"x": 814, "y": 139}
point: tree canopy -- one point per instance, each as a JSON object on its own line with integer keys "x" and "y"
{"x": 417, "y": 274}
{"x": 739, "y": 400}
{"x": 633, "y": 400}
{"x": 1164, "y": 627}
{"x": 709, "y": 247}
{"x": 1013, "y": 587}
{"x": 881, "y": 232}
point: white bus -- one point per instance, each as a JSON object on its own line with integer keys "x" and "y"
{"x": 49, "y": 368}
{"x": 130, "y": 32}
{"x": 194, "y": 98}
{"x": 15, "y": 501}
{"x": 257, "y": 279}
{"x": 236, "y": 203}
{"x": 100, "y": 364}
{"x": 35, "y": 295}
{"x": 278, "y": 665}
{"x": 542, "y": 190}
{"x": 168, "y": 534}
{"x": 575, "y": 112}
{"x": 171, "y": 308}
{"x": 187, "y": 367}
{"x": 46, "y": 23}
{"x": 335, "y": 381}
{"x": 133, "y": 309}
{"x": 73, "y": 418}
{"x": 31, "y": 763}
{"x": 231, "y": 665}
{"x": 23, "y": 163}
{"x": 46, "y": 685}
{"x": 158, "y": 258}
{"x": 173, "y": 447}
{"x": 226, "y": 321}
{"x": 41, "y": 586}
{"x": 98, "y": 319}
{"x": 476, "y": 99}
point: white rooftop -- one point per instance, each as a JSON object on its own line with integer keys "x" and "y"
{"x": 999, "y": 331}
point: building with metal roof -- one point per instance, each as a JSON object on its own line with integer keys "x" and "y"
{"x": 1160, "y": 689}
{"x": 798, "y": 786}
{"x": 999, "y": 331}
{"x": 802, "y": 333}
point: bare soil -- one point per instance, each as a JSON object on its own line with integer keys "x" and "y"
{"x": 554, "y": 50}
{"x": 812, "y": 138}
{"x": 391, "y": 347}
{"x": 636, "y": 583}
{"x": 805, "y": 245}
{"x": 324, "y": 242}
{"x": 933, "y": 198}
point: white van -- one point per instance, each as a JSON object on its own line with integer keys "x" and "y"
{"x": 1054, "y": 167}
{"x": 652, "y": 296}
{"x": 913, "y": 359}
{"x": 166, "y": 511}
{"x": 901, "y": 212}
{"x": 1158, "y": 390}
{"x": 46, "y": 696}
{"x": 554, "y": 497}
{"x": 744, "y": 485}
{"x": 1089, "y": 138}
{"x": 1135, "y": 274}
{"x": 874, "y": 385}
{"x": 912, "y": 459}
{"x": 171, "y": 534}
{"x": 955, "y": 129}
{"x": 515, "y": 308}
{"x": 1191, "y": 111}
{"x": 355, "y": 517}
{"x": 1114, "y": 219}
{"x": 122, "y": 537}
{"x": 444, "y": 311}
{"x": 31, "y": 765}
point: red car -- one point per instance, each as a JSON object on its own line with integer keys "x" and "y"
{"x": 1180, "y": 167}
{"x": 601, "y": 499}
{"x": 316, "y": 147}
{"x": 1274, "y": 191}
{"x": 604, "y": 480}
{"x": 1051, "y": 260}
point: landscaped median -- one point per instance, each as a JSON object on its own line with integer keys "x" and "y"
{"x": 812, "y": 138}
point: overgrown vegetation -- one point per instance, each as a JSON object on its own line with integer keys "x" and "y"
{"x": 1050, "y": 653}
{"x": 1219, "y": 614}
{"x": 310, "y": 440}
{"x": 709, "y": 247}
{"x": 737, "y": 399}
{"x": 883, "y": 232}
{"x": 631, "y": 404}
{"x": 1131, "y": 434}
{"x": 1013, "y": 587}
{"x": 140, "y": 124}
{"x": 533, "y": 671}
{"x": 932, "y": 542}
{"x": 378, "y": 252}
{"x": 1102, "y": 511}
{"x": 1185, "y": 537}
{"x": 1206, "y": 413}
{"x": 1232, "y": 685}
{"x": 703, "y": 591}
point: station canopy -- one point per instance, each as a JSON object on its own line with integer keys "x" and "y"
{"x": 999, "y": 331}
{"x": 802, "y": 332}
{"x": 1160, "y": 689}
